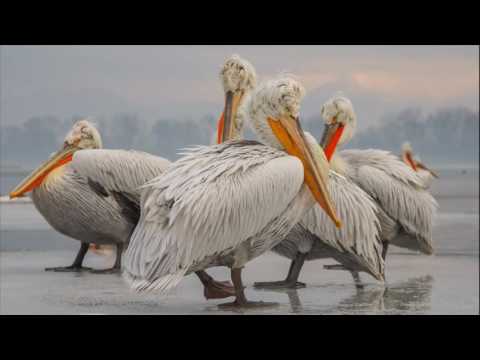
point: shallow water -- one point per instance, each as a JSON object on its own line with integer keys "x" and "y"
{"x": 447, "y": 283}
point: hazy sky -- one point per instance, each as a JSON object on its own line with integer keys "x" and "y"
{"x": 182, "y": 81}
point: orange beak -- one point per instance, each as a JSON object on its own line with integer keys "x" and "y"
{"x": 220, "y": 126}
{"x": 415, "y": 165}
{"x": 37, "y": 176}
{"x": 226, "y": 123}
{"x": 291, "y": 136}
{"x": 424, "y": 167}
{"x": 407, "y": 158}
{"x": 330, "y": 138}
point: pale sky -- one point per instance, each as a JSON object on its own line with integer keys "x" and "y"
{"x": 182, "y": 81}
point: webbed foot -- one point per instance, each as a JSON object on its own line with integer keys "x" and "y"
{"x": 284, "y": 284}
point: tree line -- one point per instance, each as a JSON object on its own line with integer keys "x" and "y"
{"x": 447, "y": 135}
{"x": 444, "y": 136}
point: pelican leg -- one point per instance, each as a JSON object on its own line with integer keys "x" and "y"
{"x": 240, "y": 298}
{"x": 356, "y": 279}
{"x": 77, "y": 263}
{"x": 334, "y": 267}
{"x": 116, "y": 267}
{"x": 385, "y": 249}
{"x": 384, "y": 252}
{"x": 213, "y": 289}
{"x": 355, "y": 274}
{"x": 291, "y": 281}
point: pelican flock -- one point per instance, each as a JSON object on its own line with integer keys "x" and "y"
{"x": 356, "y": 245}
{"x": 108, "y": 170}
{"x": 228, "y": 203}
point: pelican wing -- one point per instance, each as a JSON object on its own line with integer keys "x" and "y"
{"x": 358, "y": 238}
{"x": 398, "y": 190}
{"x": 119, "y": 171}
{"x": 384, "y": 161}
{"x": 205, "y": 205}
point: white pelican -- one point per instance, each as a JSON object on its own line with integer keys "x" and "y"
{"x": 111, "y": 172}
{"x": 423, "y": 171}
{"x": 406, "y": 208}
{"x": 238, "y": 78}
{"x": 356, "y": 245}
{"x": 225, "y": 204}
{"x": 67, "y": 202}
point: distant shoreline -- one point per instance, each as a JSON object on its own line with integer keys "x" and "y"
{"x": 4, "y": 199}
{"x": 10, "y": 171}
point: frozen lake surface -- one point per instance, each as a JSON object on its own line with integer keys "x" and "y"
{"x": 416, "y": 285}
{"x": 447, "y": 283}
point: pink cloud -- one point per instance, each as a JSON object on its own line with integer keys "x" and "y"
{"x": 376, "y": 81}
{"x": 430, "y": 80}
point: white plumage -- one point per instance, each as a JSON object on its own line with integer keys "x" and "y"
{"x": 121, "y": 171}
{"x": 399, "y": 192}
{"x": 426, "y": 177}
{"x": 237, "y": 74}
{"x": 206, "y": 205}
{"x": 275, "y": 101}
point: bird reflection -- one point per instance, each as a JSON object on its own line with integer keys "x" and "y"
{"x": 412, "y": 295}
{"x": 294, "y": 301}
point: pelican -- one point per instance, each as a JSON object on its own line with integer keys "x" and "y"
{"x": 226, "y": 204}
{"x": 67, "y": 202}
{"x": 356, "y": 245}
{"x": 238, "y": 78}
{"x": 406, "y": 209}
{"x": 423, "y": 171}
{"x": 111, "y": 172}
